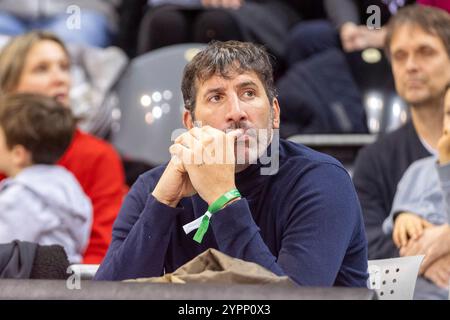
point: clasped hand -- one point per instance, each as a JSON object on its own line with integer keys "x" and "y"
{"x": 203, "y": 162}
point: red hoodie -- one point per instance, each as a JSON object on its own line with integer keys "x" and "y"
{"x": 99, "y": 170}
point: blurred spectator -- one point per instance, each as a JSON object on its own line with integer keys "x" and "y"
{"x": 94, "y": 73}
{"x": 422, "y": 201}
{"x": 319, "y": 42}
{"x": 418, "y": 43}
{"x": 86, "y": 22}
{"x": 347, "y": 28}
{"x": 40, "y": 202}
{"x": 39, "y": 62}
{"x": 443, "y": 4}
{"x": 169, "y": 22}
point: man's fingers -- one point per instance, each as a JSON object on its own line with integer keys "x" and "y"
{"x": 212, "y": 131}
{"x": 235, "y": 133}
{"x": 181, "y": 153}
{"x": 210, "y": 145}
{"x": 214, "y": 141}
{"x": 227, "y": 137}
{"x": 201, "y": 135}
{"x": 196, "y": 133}
{"x": 178, "y": 150}
{"x": 190, "y": 142}
{"x": 176, "y": 154}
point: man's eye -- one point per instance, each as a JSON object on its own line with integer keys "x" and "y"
{"x": 215, "y": 98}
{"x": 427, "y": 51}
{"x": 249, "y": 93}
{"x": 400, "y": 56}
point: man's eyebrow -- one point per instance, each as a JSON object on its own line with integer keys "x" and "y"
{"x": 213, "y": 90}
{"x": 425, "y": 46}
{"x": 395, "y": 50}
{"x": 248, "y": 83}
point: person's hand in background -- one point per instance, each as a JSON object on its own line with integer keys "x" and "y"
{"x": 228, "y": 4}
{"x": 439, "y": 272}
{"x": 434, "y": 243}
{"x": 408, "y": 226}
{"x": 358, "y": 38}
{"x": 350, "y": 37}
{"x": 372, "y": 38}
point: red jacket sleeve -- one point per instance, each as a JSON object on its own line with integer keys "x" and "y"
{"x": 106, "y": 190}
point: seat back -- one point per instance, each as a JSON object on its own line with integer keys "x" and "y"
{"x": 151, "y": 103}
{"x": 394, "y": 279}
{"x": 385, "y": 111}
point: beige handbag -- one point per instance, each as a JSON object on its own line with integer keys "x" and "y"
{"x": 213, "y": 266}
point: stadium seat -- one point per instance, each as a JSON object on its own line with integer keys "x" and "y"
{"x": 151, "y": 104}
{"x": 394, "y": 279}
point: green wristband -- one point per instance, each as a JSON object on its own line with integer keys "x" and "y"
{"x": 223, "y": 200}
{"x": 213, "y": 208}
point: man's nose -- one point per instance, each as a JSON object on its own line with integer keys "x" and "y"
{"x": 411, "y": 63}
{"x": 235, "y": 110}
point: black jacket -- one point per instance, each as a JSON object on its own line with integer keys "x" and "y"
{"x": 319, "y": 95}
{"x": 378, "y": 169}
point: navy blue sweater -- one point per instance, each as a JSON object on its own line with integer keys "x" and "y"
{"x": 304, "y": 222}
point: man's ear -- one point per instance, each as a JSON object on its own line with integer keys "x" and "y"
{"x": 21, "y": 156}
{"x": 187, "y": 120}
{"x": 276, "y": 114}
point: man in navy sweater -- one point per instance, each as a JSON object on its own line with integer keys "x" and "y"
{"x": 299, "y": 217}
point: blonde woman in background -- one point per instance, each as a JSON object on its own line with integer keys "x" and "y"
{"x": 38, "y": 62}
